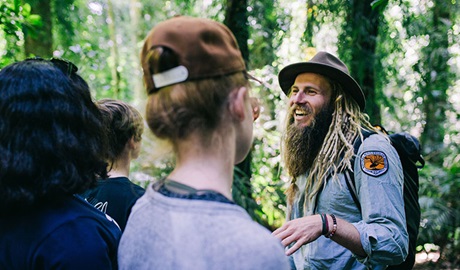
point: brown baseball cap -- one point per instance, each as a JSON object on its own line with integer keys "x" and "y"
{"x": 205, "y": 49}
{"x": 325, "y": 64}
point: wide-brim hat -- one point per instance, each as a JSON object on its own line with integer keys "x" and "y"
{"x": 328, "y": 65}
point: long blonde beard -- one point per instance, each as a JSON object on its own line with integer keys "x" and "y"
{"x": 336, "y": 152}
{"x": 301, "y": 144}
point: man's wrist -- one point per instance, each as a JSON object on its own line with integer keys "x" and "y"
{"x": 325, "y": 224}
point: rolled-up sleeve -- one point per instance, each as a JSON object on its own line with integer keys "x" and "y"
{"x": 382, "y": 230}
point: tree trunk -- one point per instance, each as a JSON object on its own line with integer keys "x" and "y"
{"x": 360, "y": 31}
{"x": 436, "y": 80}
{"x": 115, "y": 82}
{"x": 236, "y": 18}
{"x": 39, "y": 41}
{"x": 307, "y": 37}
{"x": 134, "y": 14}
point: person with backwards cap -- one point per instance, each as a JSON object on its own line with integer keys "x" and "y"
{"x": 198, "y": 100}
{"x": 325, "y": 228}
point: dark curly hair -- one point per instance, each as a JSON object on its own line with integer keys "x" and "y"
{"x": 52, "y": 142}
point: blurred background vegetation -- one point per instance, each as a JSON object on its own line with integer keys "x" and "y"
{"x": 404, "y": 53}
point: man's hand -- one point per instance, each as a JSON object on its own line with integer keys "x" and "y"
{"x": 301, "y": 231}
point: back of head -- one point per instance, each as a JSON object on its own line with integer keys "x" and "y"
{"x": 51, "y": 135}
{"x": 190, "y": 65}
{"x": 123, "y": 122}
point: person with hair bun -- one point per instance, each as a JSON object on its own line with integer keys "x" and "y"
{"x": 52, "y": 146}
{"x": 198, "y": 100}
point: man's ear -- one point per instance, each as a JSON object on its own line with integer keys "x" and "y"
{"x": 238, "y": 103}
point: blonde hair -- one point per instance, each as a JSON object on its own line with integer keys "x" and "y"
{"x": 174, "y": 112}
{"x": 123, "y": 122}
{"x": 337, "y": 150}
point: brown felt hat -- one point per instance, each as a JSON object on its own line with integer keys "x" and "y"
{"x": 325, "y": 64}
{"x": 205, "y": 49}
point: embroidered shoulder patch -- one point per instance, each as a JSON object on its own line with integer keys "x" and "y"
{"x": 374, "y": 163}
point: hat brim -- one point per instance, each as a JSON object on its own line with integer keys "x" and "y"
{"x": 288, "y": 75}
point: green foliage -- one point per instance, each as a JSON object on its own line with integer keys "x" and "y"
{"x": 268, "y": 187}
{"x": 66, "y": 13}
{"x": 440, "y": 223}
{"x": 409, "y": 34}
{"x": 242, "y": 195}
{"x": 14, "y": 18}
{"x": 416, "y": 60}
{"x": 267, "y": 177}
{"x": 380, "y": 4}
{"x": 267, "y": 29}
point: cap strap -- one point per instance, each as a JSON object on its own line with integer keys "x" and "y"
{"x": 172, "y": 76}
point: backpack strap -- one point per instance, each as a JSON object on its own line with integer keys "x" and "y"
{"x": 350, "y": 180}
{"x": 349, "y": 175}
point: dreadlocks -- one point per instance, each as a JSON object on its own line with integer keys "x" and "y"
{"x": 337, "y": 147}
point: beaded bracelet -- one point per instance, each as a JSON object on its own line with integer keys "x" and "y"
{"x": 324, "y": 230}
{"x": 334, "y": 226}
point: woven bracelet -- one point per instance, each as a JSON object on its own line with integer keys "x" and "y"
{"x": 324, "y": 220}
{"x": 334, "y": 226}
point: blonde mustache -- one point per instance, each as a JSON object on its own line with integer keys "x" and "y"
{"x": 305, "y": 108}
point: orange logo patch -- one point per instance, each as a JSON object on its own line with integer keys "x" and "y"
{"x": 374, "y": 163}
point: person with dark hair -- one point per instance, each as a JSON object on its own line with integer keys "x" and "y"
{"x": 52, "y": 146}
{"x": 198, "y": 100}
{"x": 116, "y": 195}
{"x": 326, "y": 229}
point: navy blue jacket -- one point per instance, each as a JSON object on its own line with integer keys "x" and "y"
{"x": 71, "y": 234}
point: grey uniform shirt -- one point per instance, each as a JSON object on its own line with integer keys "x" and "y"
{"x": 171, "y": 233}
{"x": 381, "y": 223}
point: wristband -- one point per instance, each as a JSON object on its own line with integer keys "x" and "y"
{"x": 324, "y": 220}
{"x": 334, "y": 226}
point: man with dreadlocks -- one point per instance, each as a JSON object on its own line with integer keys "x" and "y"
{"x": 325, "y": 118}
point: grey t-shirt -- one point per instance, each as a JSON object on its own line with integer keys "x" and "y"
{"x": 171, "y": 233}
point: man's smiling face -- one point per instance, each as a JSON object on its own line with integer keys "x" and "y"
{"x": 309, "y": 94}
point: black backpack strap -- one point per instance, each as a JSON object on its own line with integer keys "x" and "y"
{"x": 349, "y": 175}
{"x": 350, "y": 180}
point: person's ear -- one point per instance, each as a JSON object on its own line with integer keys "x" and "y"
{"x": 255, "y": 108}
{"x": 237, "y": 104}
{"x": 131, "y": 143}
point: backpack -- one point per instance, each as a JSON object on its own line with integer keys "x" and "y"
{"x": 409, "y": 151}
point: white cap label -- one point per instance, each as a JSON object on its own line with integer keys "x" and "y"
{"x": 169, "y": 77}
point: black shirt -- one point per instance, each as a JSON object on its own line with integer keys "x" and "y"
{"x": 115, "y": 197}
